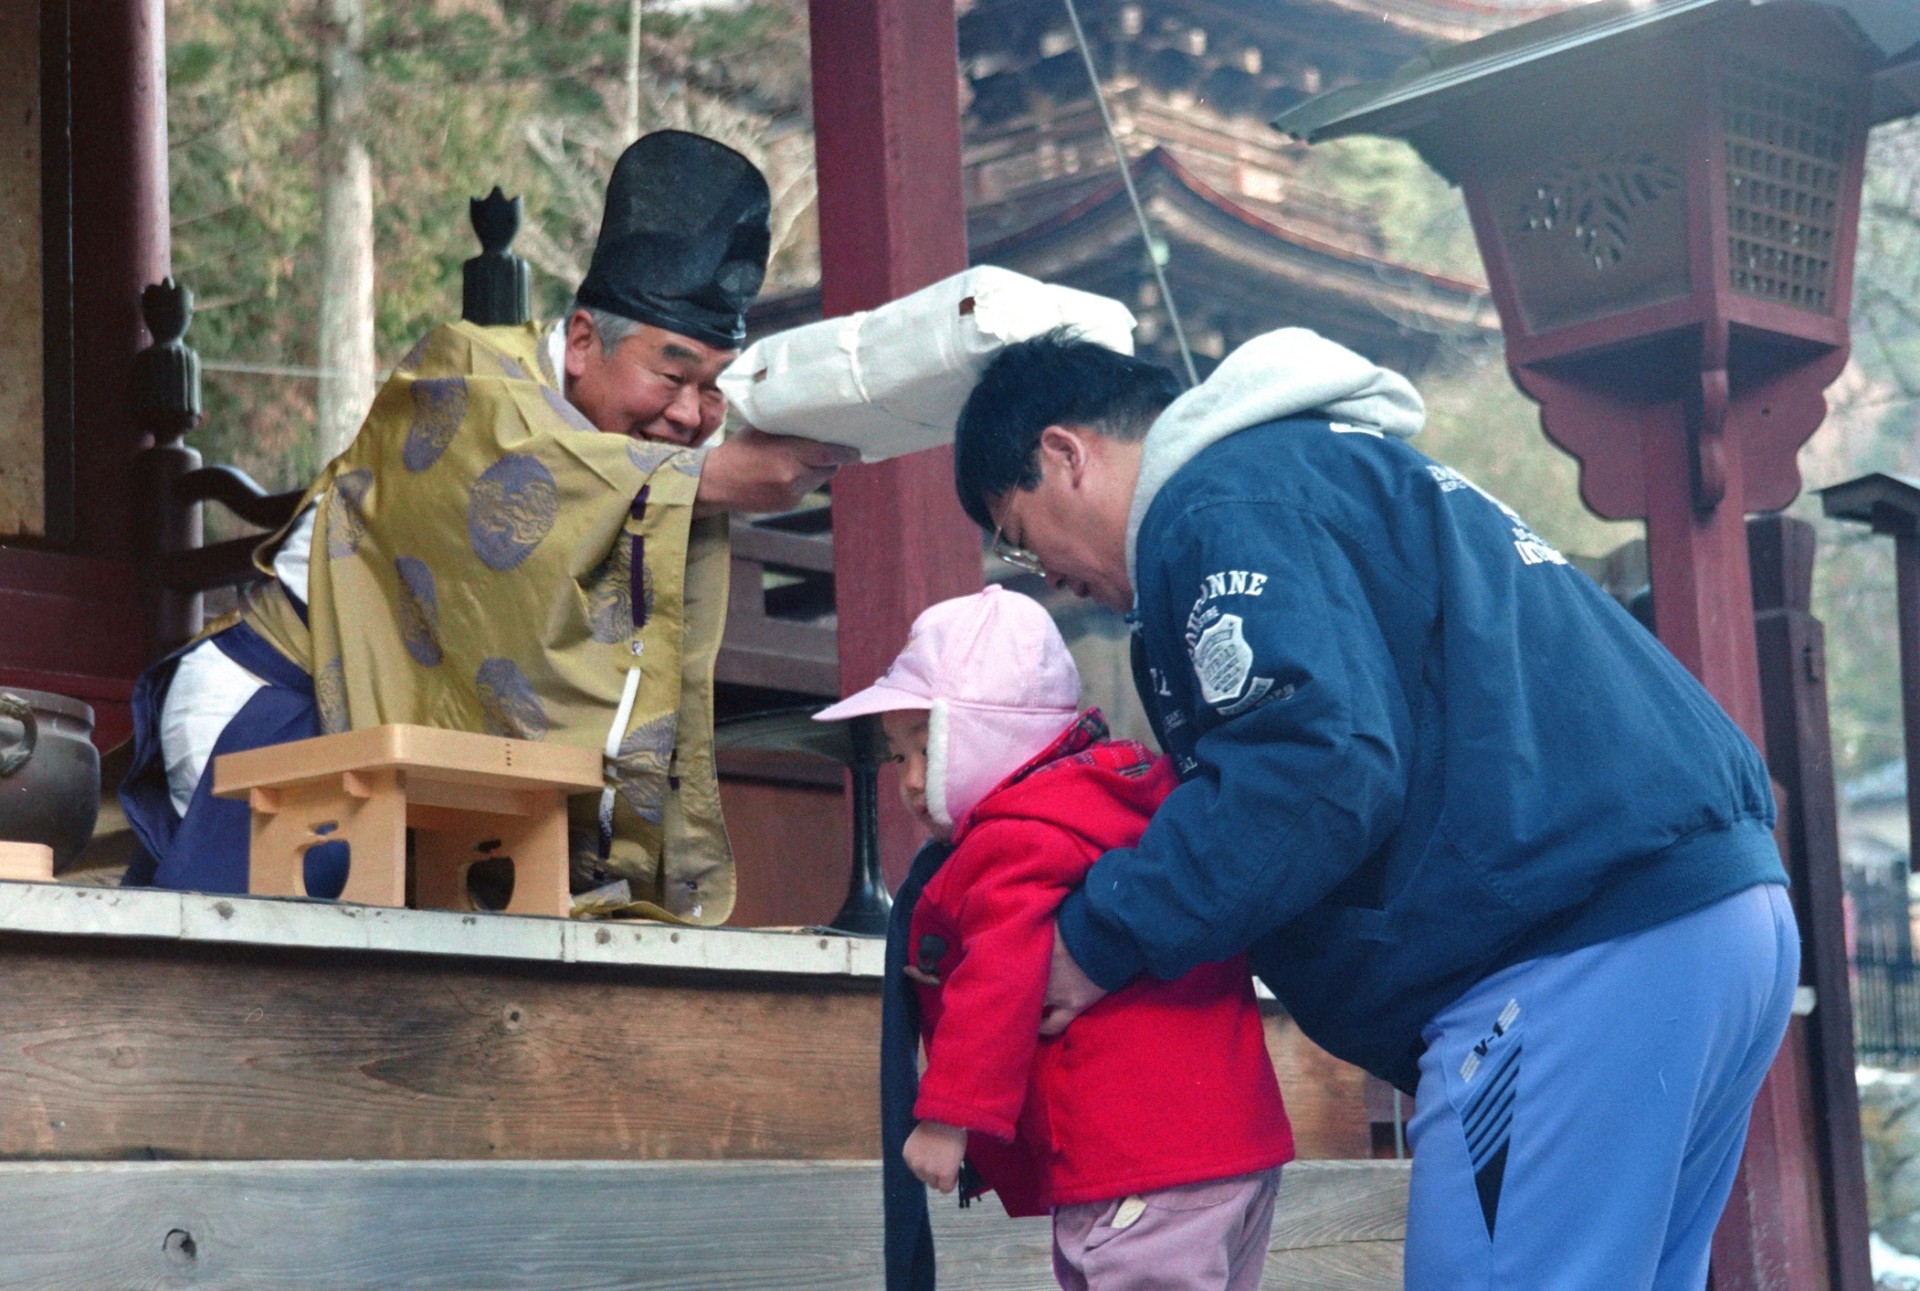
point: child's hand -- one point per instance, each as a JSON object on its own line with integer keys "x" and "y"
{"x": 933, "y": 1153}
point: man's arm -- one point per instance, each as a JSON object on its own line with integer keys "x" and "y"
{"x": 1291, "y": 793}
{"x": 757, "y": 472}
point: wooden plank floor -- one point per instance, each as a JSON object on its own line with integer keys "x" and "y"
{"x": 116, "y": 1048}
{"x": 132, "y": 1049}
{"x": 583, "y": 1226}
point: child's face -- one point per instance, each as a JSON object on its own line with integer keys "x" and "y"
{"x": 907, "y": 740}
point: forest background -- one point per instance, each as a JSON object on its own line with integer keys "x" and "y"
{"x": 321, "y": 154}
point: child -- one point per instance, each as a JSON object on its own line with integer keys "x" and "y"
{"x": 1152, "y": 1128}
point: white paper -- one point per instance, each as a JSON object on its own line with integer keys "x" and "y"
{"x": 892, "y": 380}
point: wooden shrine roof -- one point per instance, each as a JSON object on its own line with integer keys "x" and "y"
{"x": 1234, "y": 271}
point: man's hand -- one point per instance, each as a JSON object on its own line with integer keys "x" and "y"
{"x": 933, "y": 1153}
{"x": 756, "y": 471}
{"x": 1070, "y": 992}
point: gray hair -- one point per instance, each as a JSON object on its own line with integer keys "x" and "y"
{"x": 610, "y": 328}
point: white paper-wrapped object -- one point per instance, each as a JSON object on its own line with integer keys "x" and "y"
{"x": 892, "y": 380}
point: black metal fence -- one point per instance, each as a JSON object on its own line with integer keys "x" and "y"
{"x": 1886, "y": 1010}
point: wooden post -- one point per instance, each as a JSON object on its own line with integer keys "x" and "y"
{"x": 166, "y": 405}
{"x": 886, "y": 114}
{"x": 1770, "y": 1238}
{"x": 121, "y": 236}
{"x": 1891, "y": 506}
{"x": 1793, "y": 690}
{"x": 1702, "y": 588}
{"x": 1906, "y": 565}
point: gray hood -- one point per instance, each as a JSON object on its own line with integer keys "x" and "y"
{"x": 1275, "y": 375}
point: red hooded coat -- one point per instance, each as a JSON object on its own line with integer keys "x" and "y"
{"x": 1160, "y": 1083}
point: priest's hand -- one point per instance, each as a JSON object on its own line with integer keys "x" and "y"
{"x": 1070, "y": 992}
{"x": 934, "y": 1151}
{"x": 755, "y": 472}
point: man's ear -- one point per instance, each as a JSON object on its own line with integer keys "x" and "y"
{"x": 583, "y": 341}
{"x": 1066, "y": 446}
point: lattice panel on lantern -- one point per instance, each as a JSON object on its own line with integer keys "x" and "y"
{"x": 1786, "y": 139}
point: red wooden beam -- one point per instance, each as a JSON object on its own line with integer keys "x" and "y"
{"x": 121, "y": 243}
{"x": 886, "y": 114}
{"x": 70, "y": 617}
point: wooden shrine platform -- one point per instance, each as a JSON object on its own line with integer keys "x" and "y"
{"x": 319, "y": 1094}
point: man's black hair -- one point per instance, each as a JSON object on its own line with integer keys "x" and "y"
{"x": 1056, "y": 379}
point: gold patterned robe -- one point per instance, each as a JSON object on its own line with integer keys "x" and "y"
{"x": 473, "y": 569}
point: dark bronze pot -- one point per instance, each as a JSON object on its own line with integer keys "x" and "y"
{"x": 49, "y": 772}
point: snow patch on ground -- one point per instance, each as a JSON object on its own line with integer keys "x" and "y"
{"x": 1865, "y": 1076}
{"x": 1893, "y": 1269}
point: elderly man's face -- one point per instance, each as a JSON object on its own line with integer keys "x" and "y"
{"x": 654, "y": 384}
{"x": 1074, "y": 522}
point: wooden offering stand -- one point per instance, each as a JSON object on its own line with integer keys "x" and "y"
{"x": 30, "y": 861}
{"x": 469, "y": 798}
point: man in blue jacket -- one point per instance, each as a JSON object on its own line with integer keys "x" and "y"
{"x": 1475, "y": 827}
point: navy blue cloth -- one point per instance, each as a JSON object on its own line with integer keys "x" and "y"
{"x": 909, "y": 1231}
{"x": 1415, "y": 746}
{"x": 206, "y": 850}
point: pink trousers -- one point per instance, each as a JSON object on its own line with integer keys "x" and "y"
{"x": 1208, "y": 1236}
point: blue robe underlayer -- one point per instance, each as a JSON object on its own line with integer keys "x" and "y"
{"x": 206, "y": 850}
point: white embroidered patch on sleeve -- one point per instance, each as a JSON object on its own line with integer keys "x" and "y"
{"x": 1222, "y": 659}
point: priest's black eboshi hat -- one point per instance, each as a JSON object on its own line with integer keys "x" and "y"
{"x": 683, "y": 243}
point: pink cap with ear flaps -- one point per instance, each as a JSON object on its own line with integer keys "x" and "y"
{"x": 999, "y": 684}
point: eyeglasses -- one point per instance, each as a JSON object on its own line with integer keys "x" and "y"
{"x": 1019, "y": 557}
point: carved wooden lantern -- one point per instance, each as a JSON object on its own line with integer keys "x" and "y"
{"x": 1666, "y": 196}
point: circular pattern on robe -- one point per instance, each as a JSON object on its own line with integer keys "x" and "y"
{"x": 419, "y": 608}
{"x": 513, "y": 369}
{"x": 508, "y": 705}
{"x": 346, "y": 526}
{"x": 330, "y": 696}
{"x": 648, "y": 455}
{"x": 610, "y": 594}
{"x": 640, "y": 768}
{"x": 439, "y": 406}
{"x": 511, "y": 507}
{"x": 412, "y": 359}
{"x": 574, "y": 418}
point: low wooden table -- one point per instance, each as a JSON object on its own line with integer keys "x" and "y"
{"x": 468, "y": 797}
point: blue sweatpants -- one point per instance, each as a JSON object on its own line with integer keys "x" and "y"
{"x": 1580, "y": 1116}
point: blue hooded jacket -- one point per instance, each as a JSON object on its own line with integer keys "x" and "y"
{"x": 1415, "y": 744}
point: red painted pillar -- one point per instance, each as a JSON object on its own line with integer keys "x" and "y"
{"x": 121, "y": 243}
{"x": 1771, "y": 1237}
{"x": 886, "y": 114}
{"x": 1634, "y": 458}
{"x": 1702, "y": 584}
